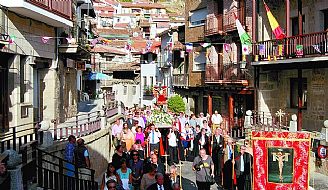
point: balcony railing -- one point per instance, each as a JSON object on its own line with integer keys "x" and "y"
{"x": 60, "y": 8}
{"x": 229, "y": 21}
{"x": 314, "y": 44}
{"x": 232, "y": 73}
{"x": 214, "y": 24}
{"x": 180, "y": 80}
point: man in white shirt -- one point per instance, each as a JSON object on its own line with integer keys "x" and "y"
{"x": 182, "y": 120}
{"x": 216, "y": 119}
{"x": 154, "y": 138}
{"x": 201, "y": 119}
{"x": 173, "y": 139}
{"x": 116, "y": 131}
{"x": 140, "y": 120}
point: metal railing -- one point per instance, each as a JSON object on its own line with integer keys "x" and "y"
{"x": 18, "y": 135}
{"x": 180, "y": 80}
{"x": 313, "y": 44}
{"x": 229, "y": 21}
{"x": 51, "y": 172}
{"x": 84, "y": 124}
{"x": 228, "y": 73}
{"x": 214, "y": 24}
{"x": 61, "y": 8}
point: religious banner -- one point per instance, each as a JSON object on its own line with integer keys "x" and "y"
{"x": 281, "y": 160}
{"x": 299, "y": 50}
{"x": 262, "y": 49}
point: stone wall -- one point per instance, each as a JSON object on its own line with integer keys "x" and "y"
{"x": 274, "y": 93}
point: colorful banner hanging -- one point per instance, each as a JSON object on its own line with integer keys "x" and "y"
{"x": 276, "y": 29}
{"x": 189, "y": 47}
{"x": 45, "y": 39}
{"x": 280, "y": 50}
{"x": 316, "y": 48}
{"x": 244, "y": 37}
{"x": 281, "y": 160}
{"x": 299, "y": 50}
{"x": 227, "y": 47}
{"x": 262, "y": 49}
{"x": 245, "y": 49}
{"x": 205, "y": 45}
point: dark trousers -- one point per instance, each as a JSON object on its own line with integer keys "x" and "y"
{"x": 154, "y": 146}
{"x": 218, "y": 166}
{"x": 203, "y": 185}
{"x": 173, "y": 152}
{"x": 241, "y": 181}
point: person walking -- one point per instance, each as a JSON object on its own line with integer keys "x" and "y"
{"x": 159, "y": 185}
{"x": 110, "y": 174}
{"x": 173, "y": 139}
{"x": 154, "y": 137}
{"x": 69, "y": 156}
{"x": 217, "y": 154}
{"x": 243, "y": 169}
{"x": 116, "y": 132}
{"x": 136, "y": 165}
{"x": 125, "y": 174}
{"x": 118, "y": 156}
{"x": 216, "y": 120}
{"x": 82, "y": 160}
{"x": 127, "y": 137}
{"x": 148, "y": 178}
{"x": 204, "y": 167}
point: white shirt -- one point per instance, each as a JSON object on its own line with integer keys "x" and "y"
{"x": 141, "y": 122}
{"x": 173, "y": 140}
{"x": 202, "y": 140}
{"x": 241, "y": 163}
{"x": 156, "y": 136}
{"x": 160, "y": 187}
{"x": 216, "y": 119}
{"x": 182, "y": 122}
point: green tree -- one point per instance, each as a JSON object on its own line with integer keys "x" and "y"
{"x": 176, "y": 104}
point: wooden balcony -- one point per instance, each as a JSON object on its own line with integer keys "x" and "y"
{"x": 60, "y": 8}
{"x": 214, "y": 25}
{"x": 314, "y": 45}
{"x": 229, "y": 21}
{"x": 180, "y": 80}
{"x": 226, "y": 74}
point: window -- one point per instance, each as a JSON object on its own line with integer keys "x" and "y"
{"x": 294, "y": 92}
{"x": 134, "y": 90}
{"x": 145, "y": 81}
{"x": 325, "y": 19}
{"x": 109, "y": 58}
{"x": 22, "y": 78}
{"x": 295, "y": 25}
{"x": 125, "y": 90}
{"x": 197, "y": 17}
{"x": 151, "y": 81}
{"x": 199, "y": 61}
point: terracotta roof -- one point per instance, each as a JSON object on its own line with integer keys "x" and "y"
{"x": 104, "y": 8}
{"x": 125, "y": 14}
{"x": 123, "y": 67}
{"x": 163, "y": 25}
{"x": 109, "y": 31}
{"x": 121, "y": 25}
{"x": 107, "y": 49}
{"x": 106, "y": 15}
{"x": 142, "y": 5}
{"x": 140, "y": 46}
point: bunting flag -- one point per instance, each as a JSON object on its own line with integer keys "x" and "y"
{"x": 189, "y": 47}
{"x": 205, "y": 45}
{"x": 12, "y": 39}
{"x": 276, "y": 29}
{"x": 148, "y": 45}
{"x": 316, "y": 47}
{"x": 45, "y": 39}
{"x": 244, "y": 37}
{"x": 227, "y": 47}
{"x": 94, "y": 41}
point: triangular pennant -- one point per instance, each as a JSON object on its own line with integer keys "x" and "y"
{"x": 316, "y": 47}
{"x": 45, "y": 39}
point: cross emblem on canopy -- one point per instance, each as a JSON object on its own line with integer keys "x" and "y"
{"x": 280, "y": 113}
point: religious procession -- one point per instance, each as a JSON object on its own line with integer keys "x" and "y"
{"x": 149, "y": 152}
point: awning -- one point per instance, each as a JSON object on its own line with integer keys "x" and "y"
{"x": 98, "y": 76}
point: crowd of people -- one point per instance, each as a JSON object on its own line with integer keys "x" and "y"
{"x": 148, "y": 157}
